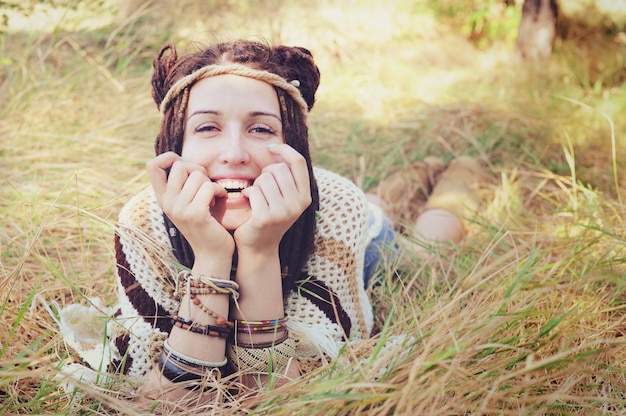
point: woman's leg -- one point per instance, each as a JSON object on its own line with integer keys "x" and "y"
{"x": 454, "y": 200}
{"x": 442, "y": 197}
{"x": 438, "y": 224}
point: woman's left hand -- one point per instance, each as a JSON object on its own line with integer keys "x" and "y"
{"x": 277, "y": 199}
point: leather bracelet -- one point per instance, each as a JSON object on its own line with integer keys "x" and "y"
{"x": 229, "y": 287}
{"x": 209, "y": 330}
{"x": 173, "y": 372}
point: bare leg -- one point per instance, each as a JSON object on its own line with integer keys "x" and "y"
{"x": 438, "y": 224}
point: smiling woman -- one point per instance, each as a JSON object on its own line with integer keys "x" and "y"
{"x": 242, "y": 260}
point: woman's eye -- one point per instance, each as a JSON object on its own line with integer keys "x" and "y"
{"x": 263, "y": 130}
{"x": 205, "y": 128}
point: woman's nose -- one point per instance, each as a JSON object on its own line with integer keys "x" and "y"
{"x": 234, "y": 150}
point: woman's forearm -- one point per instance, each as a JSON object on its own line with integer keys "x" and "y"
{"x": 201, "y": 309}
{"x": 261, "y": 299}
{"x": 260, "y": 286}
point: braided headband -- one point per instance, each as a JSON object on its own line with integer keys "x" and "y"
{"x": 236, "y": 69}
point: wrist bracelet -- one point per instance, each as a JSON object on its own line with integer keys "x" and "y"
{"x": 266, "y": 326}
{"x": 190, "y": 361}
{"x": 220, "y": 320}
{"x": 173, "y": 372}
{"x": 209, "y": 330}
{"x": 263, "y": 360}
{"x": 201, "y": 283}
{"x": 279, "y": 340}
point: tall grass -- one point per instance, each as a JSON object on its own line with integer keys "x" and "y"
{"x": 525, "y": 317}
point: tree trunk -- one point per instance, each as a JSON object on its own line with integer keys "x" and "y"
{"x": 537, "y": 30}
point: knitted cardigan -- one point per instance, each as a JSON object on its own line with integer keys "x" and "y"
{"x": 325, "y": 310}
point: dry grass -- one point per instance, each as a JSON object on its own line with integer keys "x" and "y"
{"x": 525, "y": 318}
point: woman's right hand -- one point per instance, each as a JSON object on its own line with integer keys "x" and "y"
{"x": 186, "y": 195}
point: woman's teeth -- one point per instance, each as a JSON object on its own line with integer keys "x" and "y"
{"x": 234, "y": 187}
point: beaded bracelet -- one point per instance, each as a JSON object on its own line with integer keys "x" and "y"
{"x": 190, "y": 361}
{"x": 187, "y": 285}
{"x": 210, "y": 330}
{"x": 200, "y": 291}
{"x": 249, "y": 327}
{"x": 264, "y": 360}
{"x": 219, "y": 319}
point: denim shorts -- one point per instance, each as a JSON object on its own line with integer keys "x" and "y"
{"x": 381, "y": 246}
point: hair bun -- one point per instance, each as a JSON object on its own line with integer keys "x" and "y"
{"x": 298, "y": 65}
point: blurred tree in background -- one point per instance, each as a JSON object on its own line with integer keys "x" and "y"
{"x": 537, "y": 29}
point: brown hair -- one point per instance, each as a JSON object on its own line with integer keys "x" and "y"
{"x": 290, "y": 63}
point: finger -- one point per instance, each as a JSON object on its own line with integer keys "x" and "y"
{"x": 274, "y": 196}
{"x": 281, "y": 175}
{"x": 202, "y": 190}
{"x": 259, "y": 205}
{"x": 180, "y": 172}
{"x": 157, "y": 171}
{"x": 297, "y": 196}
{"x": 297, "y": 164}
{"x": 268, "y": 185}
{"x": 205, "y": 196}
{"x": 190, "y": 186}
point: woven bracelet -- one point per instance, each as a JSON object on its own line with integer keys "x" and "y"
{"x": 209, "y": 330}
{"x": 264, "y": 360}
{"x": 273, "y": 325}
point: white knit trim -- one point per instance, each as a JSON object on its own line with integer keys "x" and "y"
{"x": 316, "y": 334}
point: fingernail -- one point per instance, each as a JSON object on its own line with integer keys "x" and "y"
{"x": 184, "y": 159}
{"x": 272, "y": 145}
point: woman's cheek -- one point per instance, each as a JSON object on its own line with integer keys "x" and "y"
{"x": 196, "y": 152}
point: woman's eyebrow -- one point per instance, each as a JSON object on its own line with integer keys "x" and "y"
{"x": 195, "y": 113}
{"x": 262, "y": 113}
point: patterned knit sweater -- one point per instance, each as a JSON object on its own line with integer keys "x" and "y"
{"x": 325, "y": 310}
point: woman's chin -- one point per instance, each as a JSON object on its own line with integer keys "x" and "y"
{"x": 233, "y": 220}
{"x": 232, "y": 215}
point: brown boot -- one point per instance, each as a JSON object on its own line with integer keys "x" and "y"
{"x": 405, "y": 192}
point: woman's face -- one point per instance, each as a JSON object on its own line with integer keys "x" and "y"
{"x": 230, "y": 122}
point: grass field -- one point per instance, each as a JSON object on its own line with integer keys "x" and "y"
{"x": 525, "y": 317}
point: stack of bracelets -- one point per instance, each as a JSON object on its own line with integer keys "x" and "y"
{"x": 243, "y": 356}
